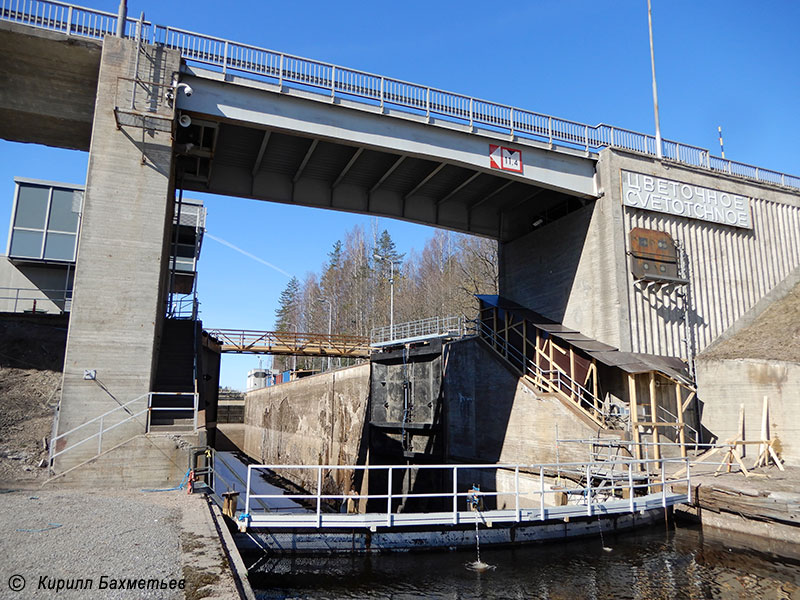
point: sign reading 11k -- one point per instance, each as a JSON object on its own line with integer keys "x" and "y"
{"x": 506, "y": 159}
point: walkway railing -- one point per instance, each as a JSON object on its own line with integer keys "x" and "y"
{"x": 422, "y": 328}
{"x": 535, "y": 493}
{"x": 140, "y": 410}
{"x": 376, "y": 90}
{"x": 291, "y": 343}
{"x": 35, "y": 300}
{"x": 553, "y": 379}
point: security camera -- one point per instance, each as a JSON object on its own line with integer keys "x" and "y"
{"x": 187, "y": 89}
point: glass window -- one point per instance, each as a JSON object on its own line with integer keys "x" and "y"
{"x": 59, "y": 246}
{"x": 31, "y": 206}
{"x": 26, "y": 244}
{"x": 62, "y": 217}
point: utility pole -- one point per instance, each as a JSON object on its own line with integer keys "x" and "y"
{"x": 659, "y": 153}
{"x": 391, "y": 290}
{"x": 330, "y": 324}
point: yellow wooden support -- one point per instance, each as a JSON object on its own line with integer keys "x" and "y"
{"x": 654, "y": 415}
{"x": 681, "y": 424}
{"x": 634, "y": 417}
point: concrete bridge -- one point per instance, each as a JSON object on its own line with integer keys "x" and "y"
{"x": 161, "y": 109}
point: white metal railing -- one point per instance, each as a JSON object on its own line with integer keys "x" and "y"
{"x": 433, "y": 326}
{"x": 99, "y": 427}
{"x": 377, "y": 90}
{"x": 35, "y": 300}
{"x": 591, "y": 489}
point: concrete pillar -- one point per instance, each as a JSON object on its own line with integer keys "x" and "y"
{"x": 120, "y": 277}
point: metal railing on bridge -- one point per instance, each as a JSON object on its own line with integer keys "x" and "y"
{"x": 422, "y": 328}
{"x": 534, "y": 493}
{"x": 375, "y": 90}
{"x": 244, "y": 341}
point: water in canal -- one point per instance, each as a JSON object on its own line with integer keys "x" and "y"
{"x": 653, "y": 563}
{"x": 650, "y": 564}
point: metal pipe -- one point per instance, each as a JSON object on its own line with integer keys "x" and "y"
{"x": 655, "y": 89}
{"x": 122, "y": 17}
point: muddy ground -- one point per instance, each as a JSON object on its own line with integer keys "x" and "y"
{"x": 31, "y": 360}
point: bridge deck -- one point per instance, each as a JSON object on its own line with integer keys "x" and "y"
{"x": 242, "y": 341}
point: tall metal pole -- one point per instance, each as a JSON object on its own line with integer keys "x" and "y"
{"x": 391, "y": 298}
{"x": 122, "y": 15}
{"x": 330, "y": 328}
{"x": 655, "y": 89}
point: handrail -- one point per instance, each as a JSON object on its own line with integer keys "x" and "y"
{"x": 549, "y": 380}
{"x": 622, "y": 480}
{"x": 102, "y": 428}
{"x": 291, "y": 342}
{"x": 375, "y": 90}
{"x": 431, "y": 326}
{"x": 35, "y": 295}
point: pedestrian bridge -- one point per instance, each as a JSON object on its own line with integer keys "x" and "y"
{"x": 272, "y": 126}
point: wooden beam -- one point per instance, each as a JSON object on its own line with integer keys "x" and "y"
{"x": 654, "y": 415}
{"x": 682, "y": 432}
{"x": 633, "y": 406}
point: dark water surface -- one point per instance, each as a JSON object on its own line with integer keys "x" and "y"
{"x": 651, "y": 564}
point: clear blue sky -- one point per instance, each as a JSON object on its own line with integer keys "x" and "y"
{"x": 732, "y": 63}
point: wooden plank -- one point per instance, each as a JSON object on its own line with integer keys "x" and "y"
{"x": 679, "y": 407}
{"x": 654, "y": 415}
{"x": 688, "y": 400}
{"x": 634, "y": 417}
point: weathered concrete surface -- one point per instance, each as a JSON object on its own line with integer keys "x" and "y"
{"x": 575, "y": 270}
{"x": 47, "y": 86}
{"x": 120, "y": 276}
{"x": 31, "y": 280}
{"x": 315, "y": 420}
{"x": 725, "y": 385}
{"x": 145, "y": 461}
{"x": 492, "y": 416}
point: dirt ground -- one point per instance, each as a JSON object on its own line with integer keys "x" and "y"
{"x": 774, "y": 335}
{"x": 31, "y": 359}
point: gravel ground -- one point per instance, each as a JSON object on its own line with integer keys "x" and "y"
{"x": 66, "y": 535}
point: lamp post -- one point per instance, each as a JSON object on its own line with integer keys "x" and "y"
{"x": 659, "y": 153}
{"x": 391, "y": 262}
{"x": 330, "y": 324}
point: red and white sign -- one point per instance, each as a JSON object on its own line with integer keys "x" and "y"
{"x": 505, "y": 159}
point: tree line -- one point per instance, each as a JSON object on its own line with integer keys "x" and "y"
{"x": 351, "y": 290}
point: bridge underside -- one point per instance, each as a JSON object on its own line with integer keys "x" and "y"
{"x": 295, "y": 147}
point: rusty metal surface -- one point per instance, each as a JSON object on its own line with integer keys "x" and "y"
{"x": 243, "y": 341}
{"x": 654, "y": 256}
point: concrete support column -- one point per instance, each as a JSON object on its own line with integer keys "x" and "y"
{"x": 120, "y": 277}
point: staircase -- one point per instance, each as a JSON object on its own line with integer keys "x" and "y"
{"x": 173, "y": 408}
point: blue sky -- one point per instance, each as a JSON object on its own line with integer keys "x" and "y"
{"x": 731, "y": 63}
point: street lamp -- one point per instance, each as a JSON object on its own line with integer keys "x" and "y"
{"x": 330, "y": 324}
{"x": 391, "y": 262}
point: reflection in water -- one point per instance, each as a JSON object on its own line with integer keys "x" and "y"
{"x": 651, "y": 564}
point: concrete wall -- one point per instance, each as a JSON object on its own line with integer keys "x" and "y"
{"x": 48, "y": 91}
{"x": 315, "y": 420}
{"x": 491, "y": 416}
{"x": 575, "y": 270}
{"x": 730, "y": 268}
{"x": 21, "y": 285}
{"x": 567, "y": 271}
{"x": 727, "y": 384}
{"x": 119, "y": 281}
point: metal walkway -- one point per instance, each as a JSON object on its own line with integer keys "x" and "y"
{"x": 370, "y": 89}
{"x": 287, "y": 343}
{"x": 531, "y": 493}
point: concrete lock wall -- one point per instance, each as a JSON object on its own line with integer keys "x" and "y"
{"x": 23, "y": 285}
{"x": 729, "y": 384}
{"x": 575, "y": 270}
{"x": 315, "y": 420}
{"x": 492, "y": 416}
{"x": 120, "y": 273}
